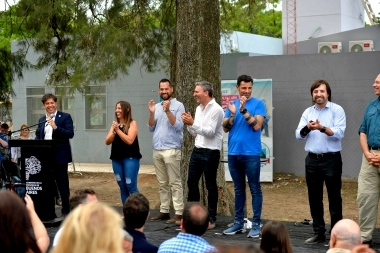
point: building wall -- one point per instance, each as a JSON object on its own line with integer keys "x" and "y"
{"x": 250, "y": 43}
{"x": 365, "y": 33}
{"x": 324, "y": 16}
{"x": 350, "y": 76}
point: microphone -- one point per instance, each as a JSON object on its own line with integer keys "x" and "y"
{"x": 51, "y": 117}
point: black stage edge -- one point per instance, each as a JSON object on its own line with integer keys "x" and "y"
{"x": 158, "y": 231}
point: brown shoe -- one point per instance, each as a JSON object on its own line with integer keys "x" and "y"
{"x": 175, "y": 218}
{"x": 161, "y": 216}
{"x": 178, "y": 222}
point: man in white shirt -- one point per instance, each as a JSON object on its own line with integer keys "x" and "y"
{"x": 206, "y": 127}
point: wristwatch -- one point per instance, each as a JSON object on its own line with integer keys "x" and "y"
{"x": 243, "y": 111}
{"x": 323, "y": 129}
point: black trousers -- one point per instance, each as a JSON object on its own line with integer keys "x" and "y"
{"x": 204, "y": 161}
{"x": 324, "y": 169}
{"x": 62, "y": 179}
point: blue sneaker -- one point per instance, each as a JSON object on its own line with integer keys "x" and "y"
{"x": 235, "y": 229}
{"x": 255, "y": 231}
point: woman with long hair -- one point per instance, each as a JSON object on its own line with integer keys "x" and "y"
{"x": 16, "y": 151}
{"x": 16, "y": 220}
{"x": 92, "y": 227}
{"x": 275, "y": 238}
{"x": 125, "y": 150}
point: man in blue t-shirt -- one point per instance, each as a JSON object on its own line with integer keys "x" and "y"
{"x": 243, "y": 121}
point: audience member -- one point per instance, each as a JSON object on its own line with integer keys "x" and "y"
{"x": 275, "y": 238}
{"x": 136, "y": 212}
{"x": 206, "y": 127}
{"x": 16, "y": 219}
{"x": 345, "y": 235}
{"x": 166, "y": 124}
{"x": 4, "y": 151}
{"x": 194, "y": 223}
{"x": 16, "y": 151}
{"x": 125, "y": 150}
{"x": 78, "y": 198}
{"x": 362, "y": 248}
{"x": 128, "y": 243}
{"x": 93, "y": 227}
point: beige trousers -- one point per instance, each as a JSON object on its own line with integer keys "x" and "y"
{"x": 168, "y": 172}
{"x": 368, "y": 198}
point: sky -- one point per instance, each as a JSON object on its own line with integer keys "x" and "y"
{"x": 374, "y": 3}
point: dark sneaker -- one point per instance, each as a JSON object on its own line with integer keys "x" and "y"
{"x": 212, "y": 225}
{"x": 316, "y": 239}
{"x": 161, "y": 216}
{"x": 175, "y": 218}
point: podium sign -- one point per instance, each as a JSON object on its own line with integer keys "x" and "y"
{"x": 37, "y": 172}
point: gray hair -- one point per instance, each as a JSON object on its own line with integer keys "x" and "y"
{"x": 127, "y": 236}
{"x": 206, "y": 86}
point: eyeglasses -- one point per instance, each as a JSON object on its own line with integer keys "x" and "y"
{"x": 25, "y": 130}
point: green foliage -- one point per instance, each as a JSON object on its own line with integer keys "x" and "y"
{"x": 252, "y": 16}
{"x": 85, "y": 42}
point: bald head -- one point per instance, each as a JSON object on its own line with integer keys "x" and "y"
{"x": 345, "y": 235}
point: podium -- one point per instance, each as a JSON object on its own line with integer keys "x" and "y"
{"x": 37, "y": 173}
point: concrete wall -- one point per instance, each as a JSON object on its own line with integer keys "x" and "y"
{"x": 350, "y": 76}
{"x": 365, "y": 33}
{"x": 250, "y": 43}
{"x": 330, "y": 16}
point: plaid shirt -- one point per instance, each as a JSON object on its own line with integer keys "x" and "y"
{"x": 186, "y": 243}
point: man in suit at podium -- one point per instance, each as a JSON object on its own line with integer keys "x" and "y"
{"x": 56, "y": 125}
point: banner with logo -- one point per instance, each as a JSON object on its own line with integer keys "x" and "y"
{"x": 37, "y": 173}
{"x": 262, "y": 89}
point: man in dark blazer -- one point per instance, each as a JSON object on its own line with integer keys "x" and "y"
{"x": 58, "y": 126}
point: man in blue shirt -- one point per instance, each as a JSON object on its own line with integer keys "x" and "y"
{"x": 369, "y": 176}
{"x": 136, "y": 212}
{"x": 194, "y": 224}
{"x": 166, "y": 124}
{"x": 243, "y": 120}
{"x": 322, "y": 126}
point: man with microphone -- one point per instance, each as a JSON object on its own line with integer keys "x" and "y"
{"x": 56, "y": 125}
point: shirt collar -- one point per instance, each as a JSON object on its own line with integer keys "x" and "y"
{"x": 212, "y": 101}
{"x": 328, "y": 105}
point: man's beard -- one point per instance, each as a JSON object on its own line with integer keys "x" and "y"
{"x": 168, "y": 97}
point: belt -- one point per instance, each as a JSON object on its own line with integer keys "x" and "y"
{"x": 203, "y": 149}
{"x": 374, "y": 148}
{"x": 322, "y": 155}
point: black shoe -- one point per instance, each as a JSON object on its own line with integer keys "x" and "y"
{"x": 369, "y": 243}
{"x": 58, "y": 201}
{"x": 316, "y": 239}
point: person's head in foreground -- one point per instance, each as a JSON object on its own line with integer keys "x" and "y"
{"x": 93, "y": 227}
{"x": 195, "y": 219}
{"x": 345, "y": 235}
{"x": 15, "y": 224}
{"x": 275, "y": 238}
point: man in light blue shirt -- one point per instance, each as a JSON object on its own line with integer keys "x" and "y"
{"x": 193, "y": 225}
{"x": 322, "y": 126}
{"x": 166, "y": 124}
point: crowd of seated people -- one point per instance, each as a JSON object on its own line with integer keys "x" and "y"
{"x": 92, "y": 226}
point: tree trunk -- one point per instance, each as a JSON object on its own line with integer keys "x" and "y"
{"x": 196, "y": 57}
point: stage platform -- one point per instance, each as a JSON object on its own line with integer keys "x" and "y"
{"x": 158, "y": 231}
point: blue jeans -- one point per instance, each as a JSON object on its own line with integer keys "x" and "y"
{"x": 241, "y": 166}
{"x": 126, "y": 171}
